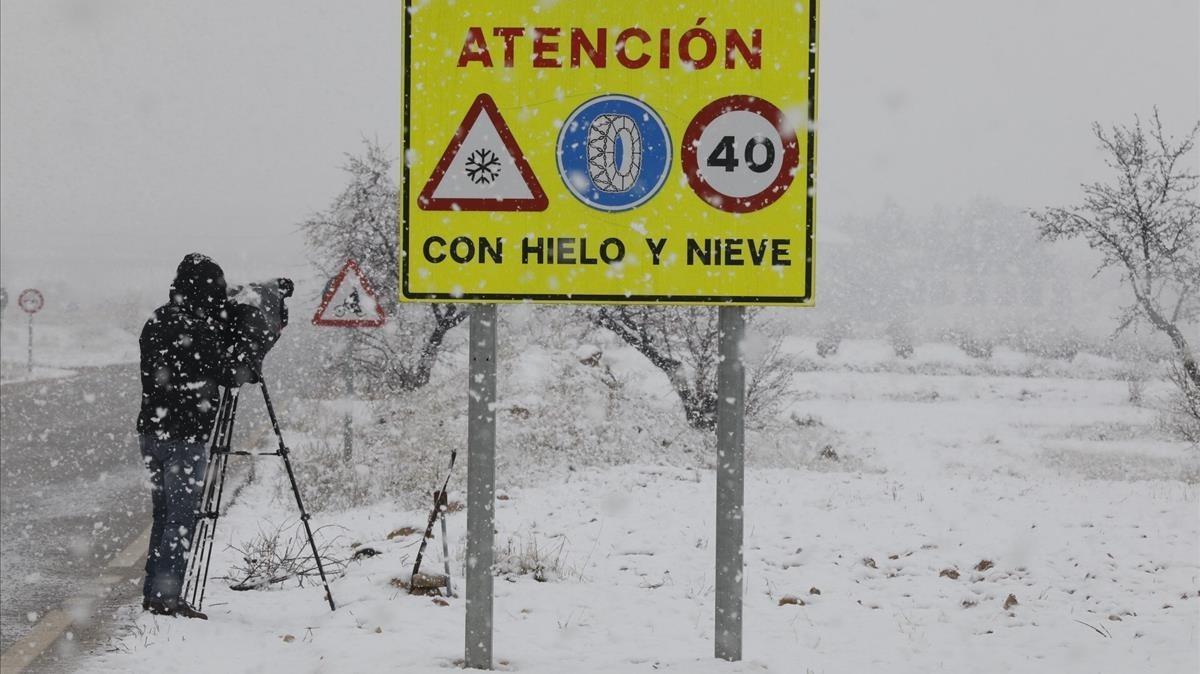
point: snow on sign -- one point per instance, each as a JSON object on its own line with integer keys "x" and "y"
{"x": 349, "y": 301}
{"x": 634, "y": 153}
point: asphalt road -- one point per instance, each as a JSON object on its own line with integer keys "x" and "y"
{"x": 72, "y": 495}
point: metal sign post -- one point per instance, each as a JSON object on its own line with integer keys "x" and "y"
{"x": 31, "y": 302}
{"x": 481, "y": 485}
{"x": 349, "y": 302}
{"x": 731, "y": 469}
{"x": 348, "y": 420}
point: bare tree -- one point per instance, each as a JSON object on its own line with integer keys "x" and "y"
{"x": 1145, "y": 222}
{"x": 361, "y": 224}
{"x": 390, "y": 353}
{"x": 682, "y": 343}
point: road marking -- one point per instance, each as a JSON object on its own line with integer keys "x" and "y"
{"x": 52, "y": 625}
{"x": 132, "y": 554}
{"x": 47, "y": 630}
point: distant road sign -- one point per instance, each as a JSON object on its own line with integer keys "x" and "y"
{"x": 682, "y": 133}
{"x": 31, "y": 300}
{"x": 349, "y": 301}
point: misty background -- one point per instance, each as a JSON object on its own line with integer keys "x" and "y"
{"x": 133, "y": 133}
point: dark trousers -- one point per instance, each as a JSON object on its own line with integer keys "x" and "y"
{"x": 177, "y": 475}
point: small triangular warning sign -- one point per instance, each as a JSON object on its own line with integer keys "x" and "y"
{"x": 483, "y": 168}
{"x": 349, "y": 301}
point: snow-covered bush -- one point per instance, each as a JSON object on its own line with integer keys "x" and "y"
{"x": 582, "y": 414}
{"x": 831, "y": 339}
{"x": 682, "y": 342}
{"x": 1066, "y": 346}
{"x": 402, "y": 445}
{"x": 1181, "y": 416}
{"x": 1046, "y": 341}
{"x": 1135, "y": 383}
{"x": 971, "y": 343}
{"x": 569, "y": 396}
{"x": 327, "y": 480}
{"x": 524, "y": 555}
{"x": 900, "y": 338}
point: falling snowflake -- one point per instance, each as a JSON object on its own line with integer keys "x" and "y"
{"x": 483, "y": 166}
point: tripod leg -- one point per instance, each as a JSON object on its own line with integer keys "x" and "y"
{"x": 206, "y": 529}
{"x": 212, "y": 534}
{"x": 214, "y": 489}
{"x": 226, "y": 446}
{"x": 287, "y": 463}
{"x": 200, "y": 536}
{"x": 203, "y": 528}
{"x": 445, "y": 547}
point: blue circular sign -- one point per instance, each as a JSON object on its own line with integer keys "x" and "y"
{"x": 614, "y": 153}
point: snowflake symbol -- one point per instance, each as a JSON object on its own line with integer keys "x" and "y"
{"x": 483, "y": 166}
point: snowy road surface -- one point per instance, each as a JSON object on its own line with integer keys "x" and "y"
{"x": 71, "y": 493}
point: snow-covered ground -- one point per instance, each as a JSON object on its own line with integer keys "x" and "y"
{"x": 61, "y": 346}
{"x": 967, "y": 523}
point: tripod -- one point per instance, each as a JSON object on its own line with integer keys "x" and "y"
{"x": 196, "y": 580}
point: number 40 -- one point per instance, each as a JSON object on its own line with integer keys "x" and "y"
{"x": 723, "y": 155}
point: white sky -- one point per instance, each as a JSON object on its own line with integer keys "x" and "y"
{"x": 133, "y": 132}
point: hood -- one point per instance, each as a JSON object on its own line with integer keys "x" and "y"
{"x": 199, "y": 285}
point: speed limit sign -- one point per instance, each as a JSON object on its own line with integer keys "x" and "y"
{"x": 740, "y": 154}
{"x": 31, "y": 300}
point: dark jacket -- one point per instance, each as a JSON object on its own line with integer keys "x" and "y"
{"x": 183, "y": 355}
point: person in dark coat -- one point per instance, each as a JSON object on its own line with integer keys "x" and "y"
{"x": 183, "y": 361}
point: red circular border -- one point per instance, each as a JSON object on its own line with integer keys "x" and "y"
{"x": 787, "y": 172}
{"x": 21, "y": 300}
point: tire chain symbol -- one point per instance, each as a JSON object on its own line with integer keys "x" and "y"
{"x": 603, "y": 135}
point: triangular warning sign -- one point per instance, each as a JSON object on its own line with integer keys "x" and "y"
{"x": 483, "y": 169}
{"x": 349, "y": 301}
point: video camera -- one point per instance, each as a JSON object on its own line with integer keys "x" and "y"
{"x": 254, "y": 318}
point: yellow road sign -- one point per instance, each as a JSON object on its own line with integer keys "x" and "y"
{"x": 614, "y": 151}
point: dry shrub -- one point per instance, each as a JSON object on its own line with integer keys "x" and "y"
{"x": 277, "y": 555}
{"x": 523, "y": 555}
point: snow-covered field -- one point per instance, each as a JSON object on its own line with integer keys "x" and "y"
{"x": 61, "y": 346}
{"x": 968, "y": 522}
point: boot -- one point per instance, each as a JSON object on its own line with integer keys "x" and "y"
{"x": 156, "y": 607}
{"x": 183, "y": 609}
